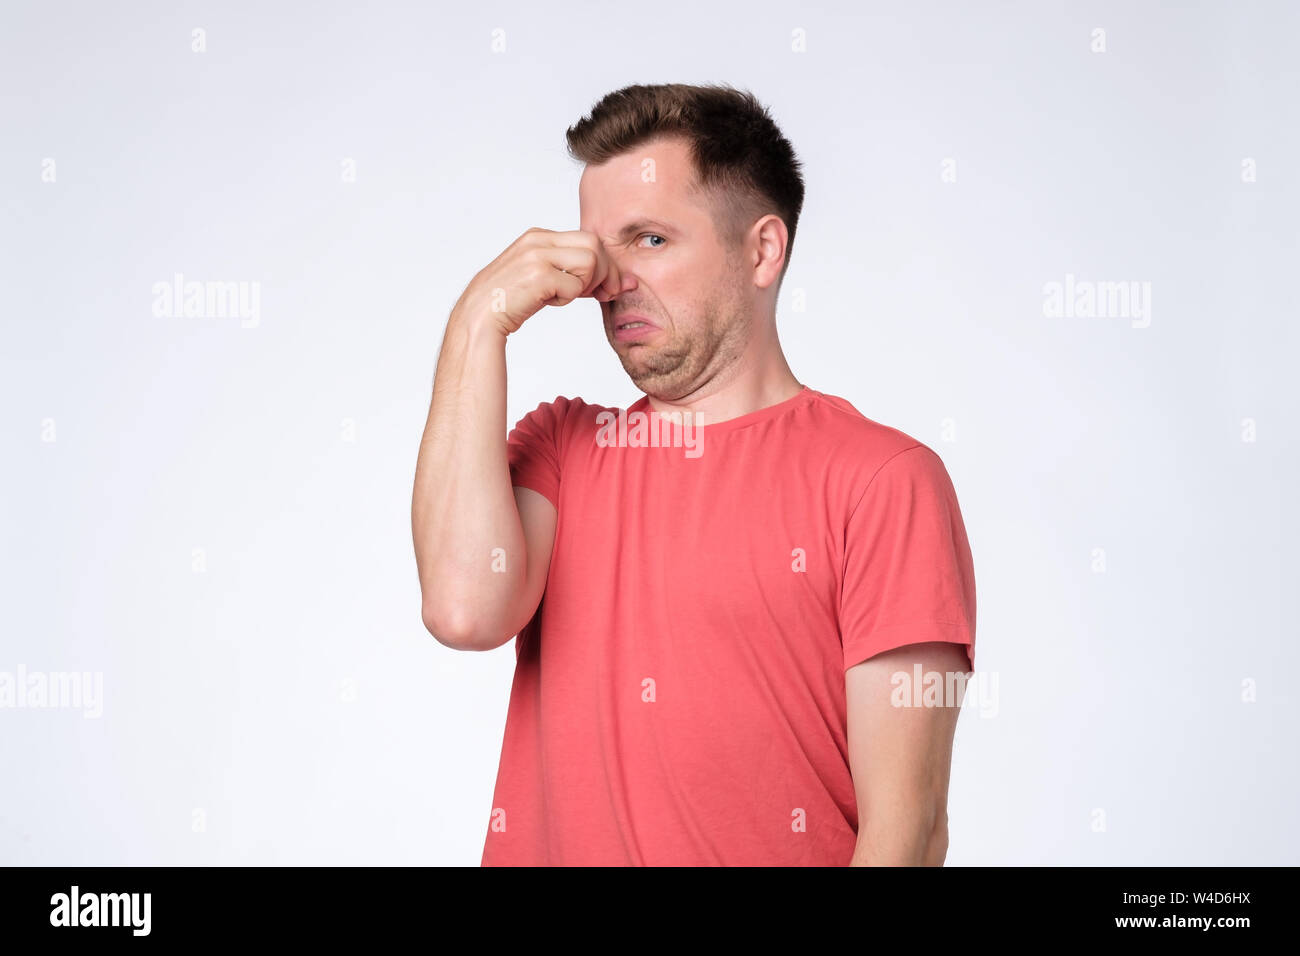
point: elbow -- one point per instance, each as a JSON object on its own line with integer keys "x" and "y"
{"x": 937, "y": 849}
{"x": 456, "y": 630}
{"x": 449, "y": 630}
{"x": 914, "y": 840}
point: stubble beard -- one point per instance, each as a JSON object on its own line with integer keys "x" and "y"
{"x": 677, "y": 366}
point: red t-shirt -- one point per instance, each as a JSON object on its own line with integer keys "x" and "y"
{"x": 679, "y": 697}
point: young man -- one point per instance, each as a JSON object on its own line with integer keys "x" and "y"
{"x": 710, "y": 608}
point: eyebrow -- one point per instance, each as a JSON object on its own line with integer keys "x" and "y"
{"x": 640, "y": 225}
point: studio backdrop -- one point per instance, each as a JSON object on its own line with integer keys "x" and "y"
{"x": 1057, "y": 243}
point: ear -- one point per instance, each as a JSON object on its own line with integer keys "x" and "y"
{"x": 770, "y": 239}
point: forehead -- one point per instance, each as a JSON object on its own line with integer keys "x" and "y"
{"x": 652, "y": 179}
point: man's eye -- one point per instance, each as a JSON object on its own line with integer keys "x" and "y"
{"x": 651, "y": 235}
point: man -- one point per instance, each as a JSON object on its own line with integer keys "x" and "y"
{"x": 709, "y": 625}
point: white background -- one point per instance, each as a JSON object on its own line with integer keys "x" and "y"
{"x": 289, "y": 697}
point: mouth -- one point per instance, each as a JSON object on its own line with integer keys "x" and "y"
{"x": 630, "y": 328}
{"x": 628, "y": 320}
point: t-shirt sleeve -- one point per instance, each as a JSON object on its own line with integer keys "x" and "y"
{"x": 908, "y": 573}
{"x": 533, "y": 449}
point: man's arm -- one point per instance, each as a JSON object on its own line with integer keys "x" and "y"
{"x": 900, "y": 757}
{"x": 463, "y": 507}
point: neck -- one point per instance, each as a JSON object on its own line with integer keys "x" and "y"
{"x": 759, "y": 378}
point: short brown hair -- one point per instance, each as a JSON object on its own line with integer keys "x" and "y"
{"x": 741, "y": 158}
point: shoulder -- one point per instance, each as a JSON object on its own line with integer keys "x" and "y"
{"x": 560, "y": 416}
{"x": 870, "y": 463}
{"x": 864, "y": 446}
{"x": 563, "y": 408}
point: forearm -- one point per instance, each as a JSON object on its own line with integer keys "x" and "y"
{"x": 463, "y": 506}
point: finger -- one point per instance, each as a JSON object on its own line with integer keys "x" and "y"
{"x": 583, "y": 239}
{"x": 568, "y": 287}
{"x": 577, "y": 261}
{"x": 572, "y": 237}
{"x": 611, "y": 282}
{"x": 598, "y": 274}
{"x": 606, "y": 279}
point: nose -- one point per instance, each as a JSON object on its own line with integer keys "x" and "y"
{"x": 623, "y": 263}
{"x": 628, "y": 284}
